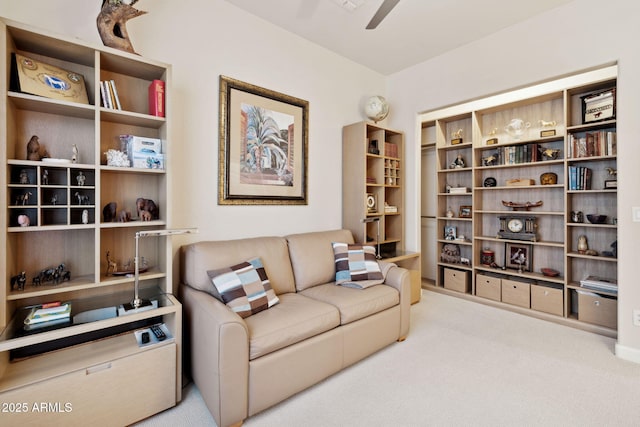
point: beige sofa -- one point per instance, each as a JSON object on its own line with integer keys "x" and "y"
{"x": 245, "y": 365}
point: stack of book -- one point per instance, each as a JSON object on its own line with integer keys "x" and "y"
{"x": 109, "y": 95}
{"x": 599, "y": 284}
{"x": 47, "y": 315}
{"x": 579, "y": 178}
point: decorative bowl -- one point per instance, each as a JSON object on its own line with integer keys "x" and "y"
{"x": 550, "y": 272}
{"x": 596, "y": 219}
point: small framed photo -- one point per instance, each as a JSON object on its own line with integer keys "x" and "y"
{"x": 465, "y": 211}
{"x": 611, "y": 184}
{"x": 518, "y": 256}
{"x": 450, "y": 232}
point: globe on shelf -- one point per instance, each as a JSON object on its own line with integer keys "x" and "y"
{"x": 376, "y": 108}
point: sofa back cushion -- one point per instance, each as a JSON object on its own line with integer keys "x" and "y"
{"x": 312, "y": 256}
{"x": 201, "y": 257}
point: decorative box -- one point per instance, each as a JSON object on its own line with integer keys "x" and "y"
{"x": 599, "y": 106}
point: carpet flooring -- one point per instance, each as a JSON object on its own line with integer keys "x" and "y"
{"x": 463, "y": 364}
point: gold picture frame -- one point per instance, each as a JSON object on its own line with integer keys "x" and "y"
{"x": 263, "y": 146}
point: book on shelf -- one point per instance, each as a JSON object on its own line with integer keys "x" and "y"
{"x": 599, "y": 284}
{"x": 45, "y": 314}
{"x": 109, "y": 95}
{"x": 579, "y": 178}
{"x": 156, "y": 98}
{"x": 593, "y": 144}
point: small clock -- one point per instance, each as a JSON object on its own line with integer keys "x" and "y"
{"x": 518, "y": 228}
{"x": 489, "y": 182}
{"x": 371, "y": 202}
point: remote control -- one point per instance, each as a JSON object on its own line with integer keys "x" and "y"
{"x": 145, "y": 337}
{"x": 160, "y": 335}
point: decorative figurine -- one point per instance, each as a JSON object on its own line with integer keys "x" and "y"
{"x": 85, "y": 216}
{"x": 457, "y": 163}
{"x": 45, "y": 177}
{"x": 456, "y": 137}
{"x": 54, "y": 199}
{"x": 109, "y": 212}
{"x": 577, "y": 216}
{"x": 24, "y": 198}
{"x": 112, "y": 267}
{"x": 449, "y": 213}
{"x": 124, "y": 216}
{"x": 112, "y": 21}
{"x": 23, "y": 221}
{"x": 18, "y": 281}
{"x": 83, "y": 199}
{"x": 24, "y": 177}
{"x": 583, "y": 246}
{"x": 81, "y": 178}
{"x": 33, "y": 149}
{"x": 149, "y": 206}
{"x": 549, "y": 153}
{"x": 74, "y": 156}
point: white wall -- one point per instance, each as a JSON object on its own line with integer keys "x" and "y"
{"x": 202, "y": 40}
{"x": 580, "y": 35}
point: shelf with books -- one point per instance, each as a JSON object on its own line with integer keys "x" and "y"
{"x": 70, "y": 185}
{"x": 518, "y": 169}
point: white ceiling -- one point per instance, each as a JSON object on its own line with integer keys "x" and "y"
{"x": 414, "y": 31}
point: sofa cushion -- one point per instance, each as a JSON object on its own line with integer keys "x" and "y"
{"x": 294, "y": 319}
{"x": 355, "y": 263}
{"x": 312, "y": 256}
{"x": 243, "y": 287}
{"x": 200, "y": 257}
{"x": 355, "y": 304}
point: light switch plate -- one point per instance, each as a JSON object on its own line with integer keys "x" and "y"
{"x": 635, "y": 212}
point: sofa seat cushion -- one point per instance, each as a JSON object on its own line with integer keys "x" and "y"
{"x": 294, "y": 319}
{"x": 355, "y": 304}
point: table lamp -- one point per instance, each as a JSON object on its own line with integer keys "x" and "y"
{"x": 139, "y": 304}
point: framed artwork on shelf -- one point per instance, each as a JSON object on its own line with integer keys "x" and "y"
{"x": 450, "y": 232}
{"x": 465, "y": 211}
{"x": 263, "y": 153}
{"x": 518, "y": 256}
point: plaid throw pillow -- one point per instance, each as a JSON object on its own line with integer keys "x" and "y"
{"x": 356, "y": 263}
{"x": 244, "y": 287}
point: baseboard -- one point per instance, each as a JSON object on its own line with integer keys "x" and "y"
{"x": 627, "y": 353}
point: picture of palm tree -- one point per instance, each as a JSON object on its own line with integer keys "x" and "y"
{"x": 266, "y": 154}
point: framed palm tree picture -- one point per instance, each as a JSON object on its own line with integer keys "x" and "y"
{"x": 263, "y": 146}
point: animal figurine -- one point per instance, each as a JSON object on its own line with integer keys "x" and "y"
{"x": 545, "y": 123}
{"x": 112, "y": 21}
{"x": 149, "y": 206}
{"x": 45, "y": 177}
{"x": 549, "y": 153}
{"x": 24, "y": 198}
{"x": 18, "y": 281}
{"x": 612, "y": 171}
{"x": 112, "y": 267}
{"x": 33, "y": 149}
{"x": 83, "y": 199}
{"x": 74, "y": 155}
{"x": 145, "y": 216}
{"x": 24, "y": 177}
{"x": 124, "y": 216}
{"x": 109, "y": 212}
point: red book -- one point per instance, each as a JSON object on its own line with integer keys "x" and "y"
{"x": 156, "y": 98}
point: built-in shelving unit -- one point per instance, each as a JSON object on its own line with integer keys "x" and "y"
{"x": 530, "y": 146}
{"x": 373, "y": 193}
{"x": 54, "y": 216}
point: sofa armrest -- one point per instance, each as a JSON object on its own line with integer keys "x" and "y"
{"x": 219, "y": 355}
{"x": 400, "y": 279}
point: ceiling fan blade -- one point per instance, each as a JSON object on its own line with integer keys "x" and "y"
{"x": 382, "y": 12}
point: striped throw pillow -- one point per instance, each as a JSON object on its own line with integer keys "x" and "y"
{"x": 244, "y": 287}
{"x": 356, "y": 263}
